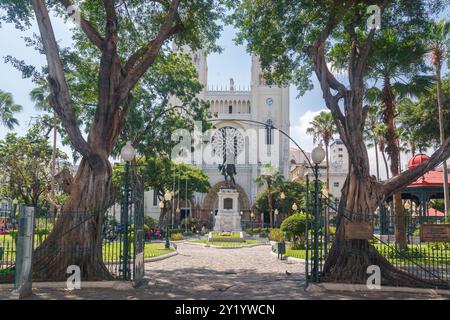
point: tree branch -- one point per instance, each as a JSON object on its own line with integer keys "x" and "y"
{"x": 139, "y": 62}
{"x": 59, "y": 98}
{"x": 406, "y": 177}
{"x": 92, "y": 34}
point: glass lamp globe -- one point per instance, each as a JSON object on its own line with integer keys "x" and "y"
{"x": 318, "y": 154}
{"x": 168, "y": 196}
{"x": 15, "y": 202}
{"x": 283, "y": 196}
{"x": 276, "y": 212}
{"x": 128, "y": 152}
{"x": 294, "y": 207}
{"x": 252, "y": 215}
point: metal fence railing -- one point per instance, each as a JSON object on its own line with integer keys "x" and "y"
{"x": 72, "y": 245}
{"x": 427, "y": 261}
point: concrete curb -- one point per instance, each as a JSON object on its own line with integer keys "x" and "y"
{"x": 328, "y": 286}
{"x": 115, "y": 285}
{"x": 162, "y": 257}
{"x": 290, "y": 259}
{"x": 224, "y": 247}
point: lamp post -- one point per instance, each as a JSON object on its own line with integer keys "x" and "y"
{"x": 283, "y": 197}
{"x": 317, "y": 155}
{"x": 212, "y": 219}
{"x": 307, "y": 226}
{"x": 252, "y": 215}
{"x": 127, "y": 153}
{"x": 276, "y": 218}
{"x": 167, "y": 198}
{"x": 15, "y": 202}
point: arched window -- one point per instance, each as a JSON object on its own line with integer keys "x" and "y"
{"x": 230, "y": 109}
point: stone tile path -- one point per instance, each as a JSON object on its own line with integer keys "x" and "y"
{"x": 209, "y": 273}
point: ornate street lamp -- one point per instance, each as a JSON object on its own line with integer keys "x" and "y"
{"x": 276, "y": 217}
{"x": 127, "y": 153}
{"x": 252, "y": 215}
{"x": 317, "y": 156}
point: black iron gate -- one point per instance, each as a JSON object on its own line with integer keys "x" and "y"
{"x": 8, "y": 240}
{"x": 429, "y": 261}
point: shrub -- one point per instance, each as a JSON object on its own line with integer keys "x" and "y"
{"x": 41, "y": 232}
{"x": 177, "y": 236}
{"x": 332, "y": 231}
{"x": 294, "y": 227}
{"x": 297, "y": 246}
{"x": 14, "y": 234}
{"x": 276, "y": 235}
{"x": 150, "y": 221}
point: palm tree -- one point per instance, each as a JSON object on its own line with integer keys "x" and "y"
{"x": 398, "y": 62}
{"x": 270, "y": 176}
{"x": 7, "y": 110}
{"x": 323, "y": 128}
{"x": 439, "y": 39}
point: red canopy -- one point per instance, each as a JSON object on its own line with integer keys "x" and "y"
{"x": 433, "y": 178}
{"x": 435, "y": 213}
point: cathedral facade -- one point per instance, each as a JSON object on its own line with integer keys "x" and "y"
{"x": 241, "y": 118}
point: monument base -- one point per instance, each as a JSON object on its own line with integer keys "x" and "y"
{"x": 228, "y": 218}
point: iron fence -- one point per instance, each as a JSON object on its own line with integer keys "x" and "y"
{"x": 427, "y": 261}
{"x": 74, "y": 246}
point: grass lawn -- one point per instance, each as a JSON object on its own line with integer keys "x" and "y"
{"x": 232, "y": 235}
{"x": 419, "y": 254}
{"x": 227, "y": 244}
{"x": 112, "y": 251}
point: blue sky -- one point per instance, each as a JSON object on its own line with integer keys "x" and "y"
{"x": 234, "y": 62}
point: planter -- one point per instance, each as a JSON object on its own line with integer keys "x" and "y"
{"x": 279, "y": 248}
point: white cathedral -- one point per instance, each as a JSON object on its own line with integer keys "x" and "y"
{"x": 234, "y": 109}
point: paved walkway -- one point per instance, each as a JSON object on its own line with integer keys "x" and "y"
{"x": 208, "y": 273}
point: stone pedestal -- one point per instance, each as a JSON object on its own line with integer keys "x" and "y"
{"x": 228, "y": 218}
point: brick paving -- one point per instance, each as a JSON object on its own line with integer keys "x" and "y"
{"x": 208, "y": 273}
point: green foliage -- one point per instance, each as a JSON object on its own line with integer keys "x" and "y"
{"x": 295, "y": 192}
{"x": 418, "y": 117}
{"x": 158, "y": 174}
{"x": 322, "y": 128}
{"x": 150, "y": 118}
{"x": 25, "y": 163}
{"x": 150, "y": 222}
{"x": 280, "y": 32}
{"x": 294, "y": 227}
{"x": 177, "y": 236}
{"x": 7, "y": 110}
{"x": 14, "y": 234}
{"x": 276, "y": 235}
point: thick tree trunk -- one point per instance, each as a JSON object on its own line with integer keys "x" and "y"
{"x": 348, "y": 260}
{"x": 76, "y": 238}
{"x": 394, "y": 155}
{"x": 384, "y": 160}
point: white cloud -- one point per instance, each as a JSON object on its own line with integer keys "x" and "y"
{"x": 298, "y": 130}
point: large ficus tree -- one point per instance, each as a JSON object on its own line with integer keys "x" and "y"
{"x": 91, "y": 88}
{"x": 293, "y": 39}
